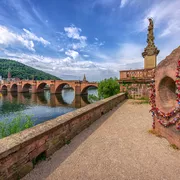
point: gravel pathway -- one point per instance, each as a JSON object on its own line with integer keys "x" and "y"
{"x": 116, "y": 147}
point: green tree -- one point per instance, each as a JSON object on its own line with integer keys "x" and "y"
{"x": 108, "y": 87}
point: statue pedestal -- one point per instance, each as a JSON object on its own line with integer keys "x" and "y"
{"x": 149, "y": 62}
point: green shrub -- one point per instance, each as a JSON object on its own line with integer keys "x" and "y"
{"x": 19, "y": 123}
{"x": 106, "y": 88}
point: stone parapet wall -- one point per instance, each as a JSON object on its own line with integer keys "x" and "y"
{"x": 19, "y": 152}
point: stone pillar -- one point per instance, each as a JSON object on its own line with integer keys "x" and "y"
{"x": 77, "y": 89}
{"x": 34, "y": 88}
{"x": 19, "y": 87}
{"x": 52, "y": 88}
{"x": 8, "y": 88}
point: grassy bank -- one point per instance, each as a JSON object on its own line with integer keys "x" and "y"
{"x": 17, "y": 124}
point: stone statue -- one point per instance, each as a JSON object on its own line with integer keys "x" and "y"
{"x": 150, "y": 49}
{"x": 150, "y": 39}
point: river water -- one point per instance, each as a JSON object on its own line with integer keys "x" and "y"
{"x": 43, "y": 106}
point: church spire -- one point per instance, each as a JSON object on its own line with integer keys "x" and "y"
{"x": 84, "y": 78}
{"x": 150, "y": 49}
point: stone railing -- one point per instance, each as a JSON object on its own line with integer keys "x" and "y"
{"x": 136, "y": 74}
{"x": 19, "y": 152}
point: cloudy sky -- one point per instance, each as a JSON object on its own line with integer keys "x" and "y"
{"x": 68, "y": 38}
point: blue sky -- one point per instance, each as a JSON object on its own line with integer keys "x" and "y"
{"x": 69, "y": 38}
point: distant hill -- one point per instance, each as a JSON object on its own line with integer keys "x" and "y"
{"x": 22, "y": 71}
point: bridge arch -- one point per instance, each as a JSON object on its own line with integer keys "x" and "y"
{"x": 14, "y": 88}
{"x": 61, "y": 86}
{"x": 84, "y": 91}
{"x": 4, "y": 88}
{"x": 41, "y": 86}
{"x": 26, "y": 87}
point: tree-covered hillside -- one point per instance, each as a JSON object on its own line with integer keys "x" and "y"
{"x": 22, "y": 71}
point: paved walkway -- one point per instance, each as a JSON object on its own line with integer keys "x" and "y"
{"x": 116, "y": 147}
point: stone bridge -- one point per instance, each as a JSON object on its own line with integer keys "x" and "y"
{"x": 56, "y": 86}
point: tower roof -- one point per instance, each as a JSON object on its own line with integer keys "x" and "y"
{"x": 84, "y": 78}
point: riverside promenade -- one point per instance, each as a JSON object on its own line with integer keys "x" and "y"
{"x": 118, "y": 146}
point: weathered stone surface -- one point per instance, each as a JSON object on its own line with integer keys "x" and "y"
{"x": 16, "y": 166}
{"x": 25, "y": 169}
{"x": 37, "y": 151}
{"x": 166, "y": 69}
{"x": 165, "y": 76}
{"x": 3, "y": 174}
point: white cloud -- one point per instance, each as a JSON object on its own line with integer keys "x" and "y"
{"x": 123, "y": 3}
{"x": 61, "y": 50}
{"x": 79, "y": 45}
{"x": 68, "y": 60}
{"x": 72, "y": 53}
{"x": 101, "y": 55}
{"x": 85, "y": 55}
{"x": 31, "y": 36}
{"x": 74, "y": 33}
{"x": 173, "y": 26}
{"x": 8, "y": 38}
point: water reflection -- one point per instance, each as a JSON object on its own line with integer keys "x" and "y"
{"x": 43, "y": 106}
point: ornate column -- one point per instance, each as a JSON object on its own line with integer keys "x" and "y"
{"x": 150, "y": 52}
